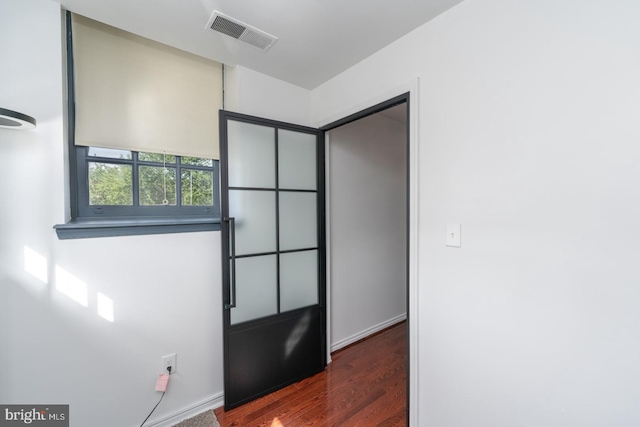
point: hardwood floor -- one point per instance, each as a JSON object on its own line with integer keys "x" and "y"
{"x": 365, "y": 385}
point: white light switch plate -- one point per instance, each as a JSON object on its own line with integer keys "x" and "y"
{"x": 453, "y": 235}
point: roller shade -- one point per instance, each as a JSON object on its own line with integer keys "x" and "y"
{"x": 136, "y": 94}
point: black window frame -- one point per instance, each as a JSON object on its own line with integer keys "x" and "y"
{"x": 104, "y": 220}
{"x": 87, "y": 210}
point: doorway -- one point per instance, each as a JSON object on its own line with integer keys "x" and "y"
{"x": 410, "y": 215}
{"x": 367, "y": 168}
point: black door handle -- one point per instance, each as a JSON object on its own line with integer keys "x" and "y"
{"x": 232, "y": 258}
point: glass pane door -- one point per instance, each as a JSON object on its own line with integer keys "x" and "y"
{"x": 273, "y": 255}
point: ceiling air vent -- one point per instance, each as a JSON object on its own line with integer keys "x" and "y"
{"x": 240, "y": 31}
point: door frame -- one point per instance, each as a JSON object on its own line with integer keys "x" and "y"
{"x": 408, "y": 93}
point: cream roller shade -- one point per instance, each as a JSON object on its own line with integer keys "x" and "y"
{"x": 136, "y": 94}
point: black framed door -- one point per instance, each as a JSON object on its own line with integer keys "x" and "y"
{"x": 273, "y": 255}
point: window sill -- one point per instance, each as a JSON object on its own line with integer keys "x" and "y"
{"x": 88, "y": 228}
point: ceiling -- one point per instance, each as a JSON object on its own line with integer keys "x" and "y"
{"x": 318, "y": 39}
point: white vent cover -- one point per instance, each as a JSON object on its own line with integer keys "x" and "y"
{"x": 239, "y": 30}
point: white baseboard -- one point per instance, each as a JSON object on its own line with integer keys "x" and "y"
{"x": 212, "y": 402}
{"x": 363, "y": 334}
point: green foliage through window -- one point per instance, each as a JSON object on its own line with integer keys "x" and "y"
{"x": 120, "y": 183}
{"x": 157, "y": 186}
{"x": 197, "y": 187}
{"x": 110, "y": 184}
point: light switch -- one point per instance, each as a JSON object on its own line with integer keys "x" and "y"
{"x": 453, "y": 235}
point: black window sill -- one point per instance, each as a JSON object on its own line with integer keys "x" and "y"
{"x": 88, "y": 228}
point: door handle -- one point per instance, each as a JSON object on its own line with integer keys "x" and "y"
{"x": 232, "y": 258}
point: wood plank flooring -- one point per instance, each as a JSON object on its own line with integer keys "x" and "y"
{"x": 365, "y": 385}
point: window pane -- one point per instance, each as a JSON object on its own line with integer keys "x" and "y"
{"x": 197, "y": 187}
{"x": 157, "y": 157}
{"x": 108, "y": 152}
{"x": 110, "y": 184}
{"x": 298, "y": 220}
{"x": 255, "y": 214}
{"x": 256, "y": 287}
{"x": 153, "y": 182}
{"x": 298, "y": 279}
{"x": 251, "y": 155}
{"x": 197, "y": 161}
{"x": 296, "y": 160}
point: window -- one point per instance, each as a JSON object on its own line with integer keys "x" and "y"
{"x": 143, "y": 135}
{"x": 120, "y": 183}
{"x": 120, "y": 192}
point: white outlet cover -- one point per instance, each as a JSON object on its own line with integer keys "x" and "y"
{"x": 453, "y": 235}
{"x": 169, "y": 360}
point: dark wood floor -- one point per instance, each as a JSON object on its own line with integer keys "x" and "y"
{"x": 365, "y": 385}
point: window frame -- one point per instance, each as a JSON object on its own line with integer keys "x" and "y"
{"x": 86, "y": 210}
{"x": 115, "y": 221}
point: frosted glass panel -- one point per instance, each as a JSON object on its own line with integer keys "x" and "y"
{"x": 298, "y": 280}
{"x": 256, "y": 288}
{"x": 297, "y": 160}
{"x": 251, "y": 151}
{"x": 298, "y": 220}
{"x": 255, "y": 214}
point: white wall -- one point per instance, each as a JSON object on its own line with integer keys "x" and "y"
{"x": 165, "y": 289}
{"x": 367, "y": 213}
{"x": 256, "y": 94}
{"x": 529, "y": 138}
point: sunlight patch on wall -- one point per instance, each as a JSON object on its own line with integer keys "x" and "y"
{"x": 71, "y": 286}
{"x": 66, "y": 283}
{"x": 36, "y": 265}
{"x": 105, "y": 307}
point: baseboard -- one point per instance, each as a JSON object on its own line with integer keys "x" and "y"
{"x": 363, "y": 334}
{"x": 212, "y": 402}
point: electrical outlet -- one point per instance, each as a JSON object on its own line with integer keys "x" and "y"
{"x": 170, "y": 360}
